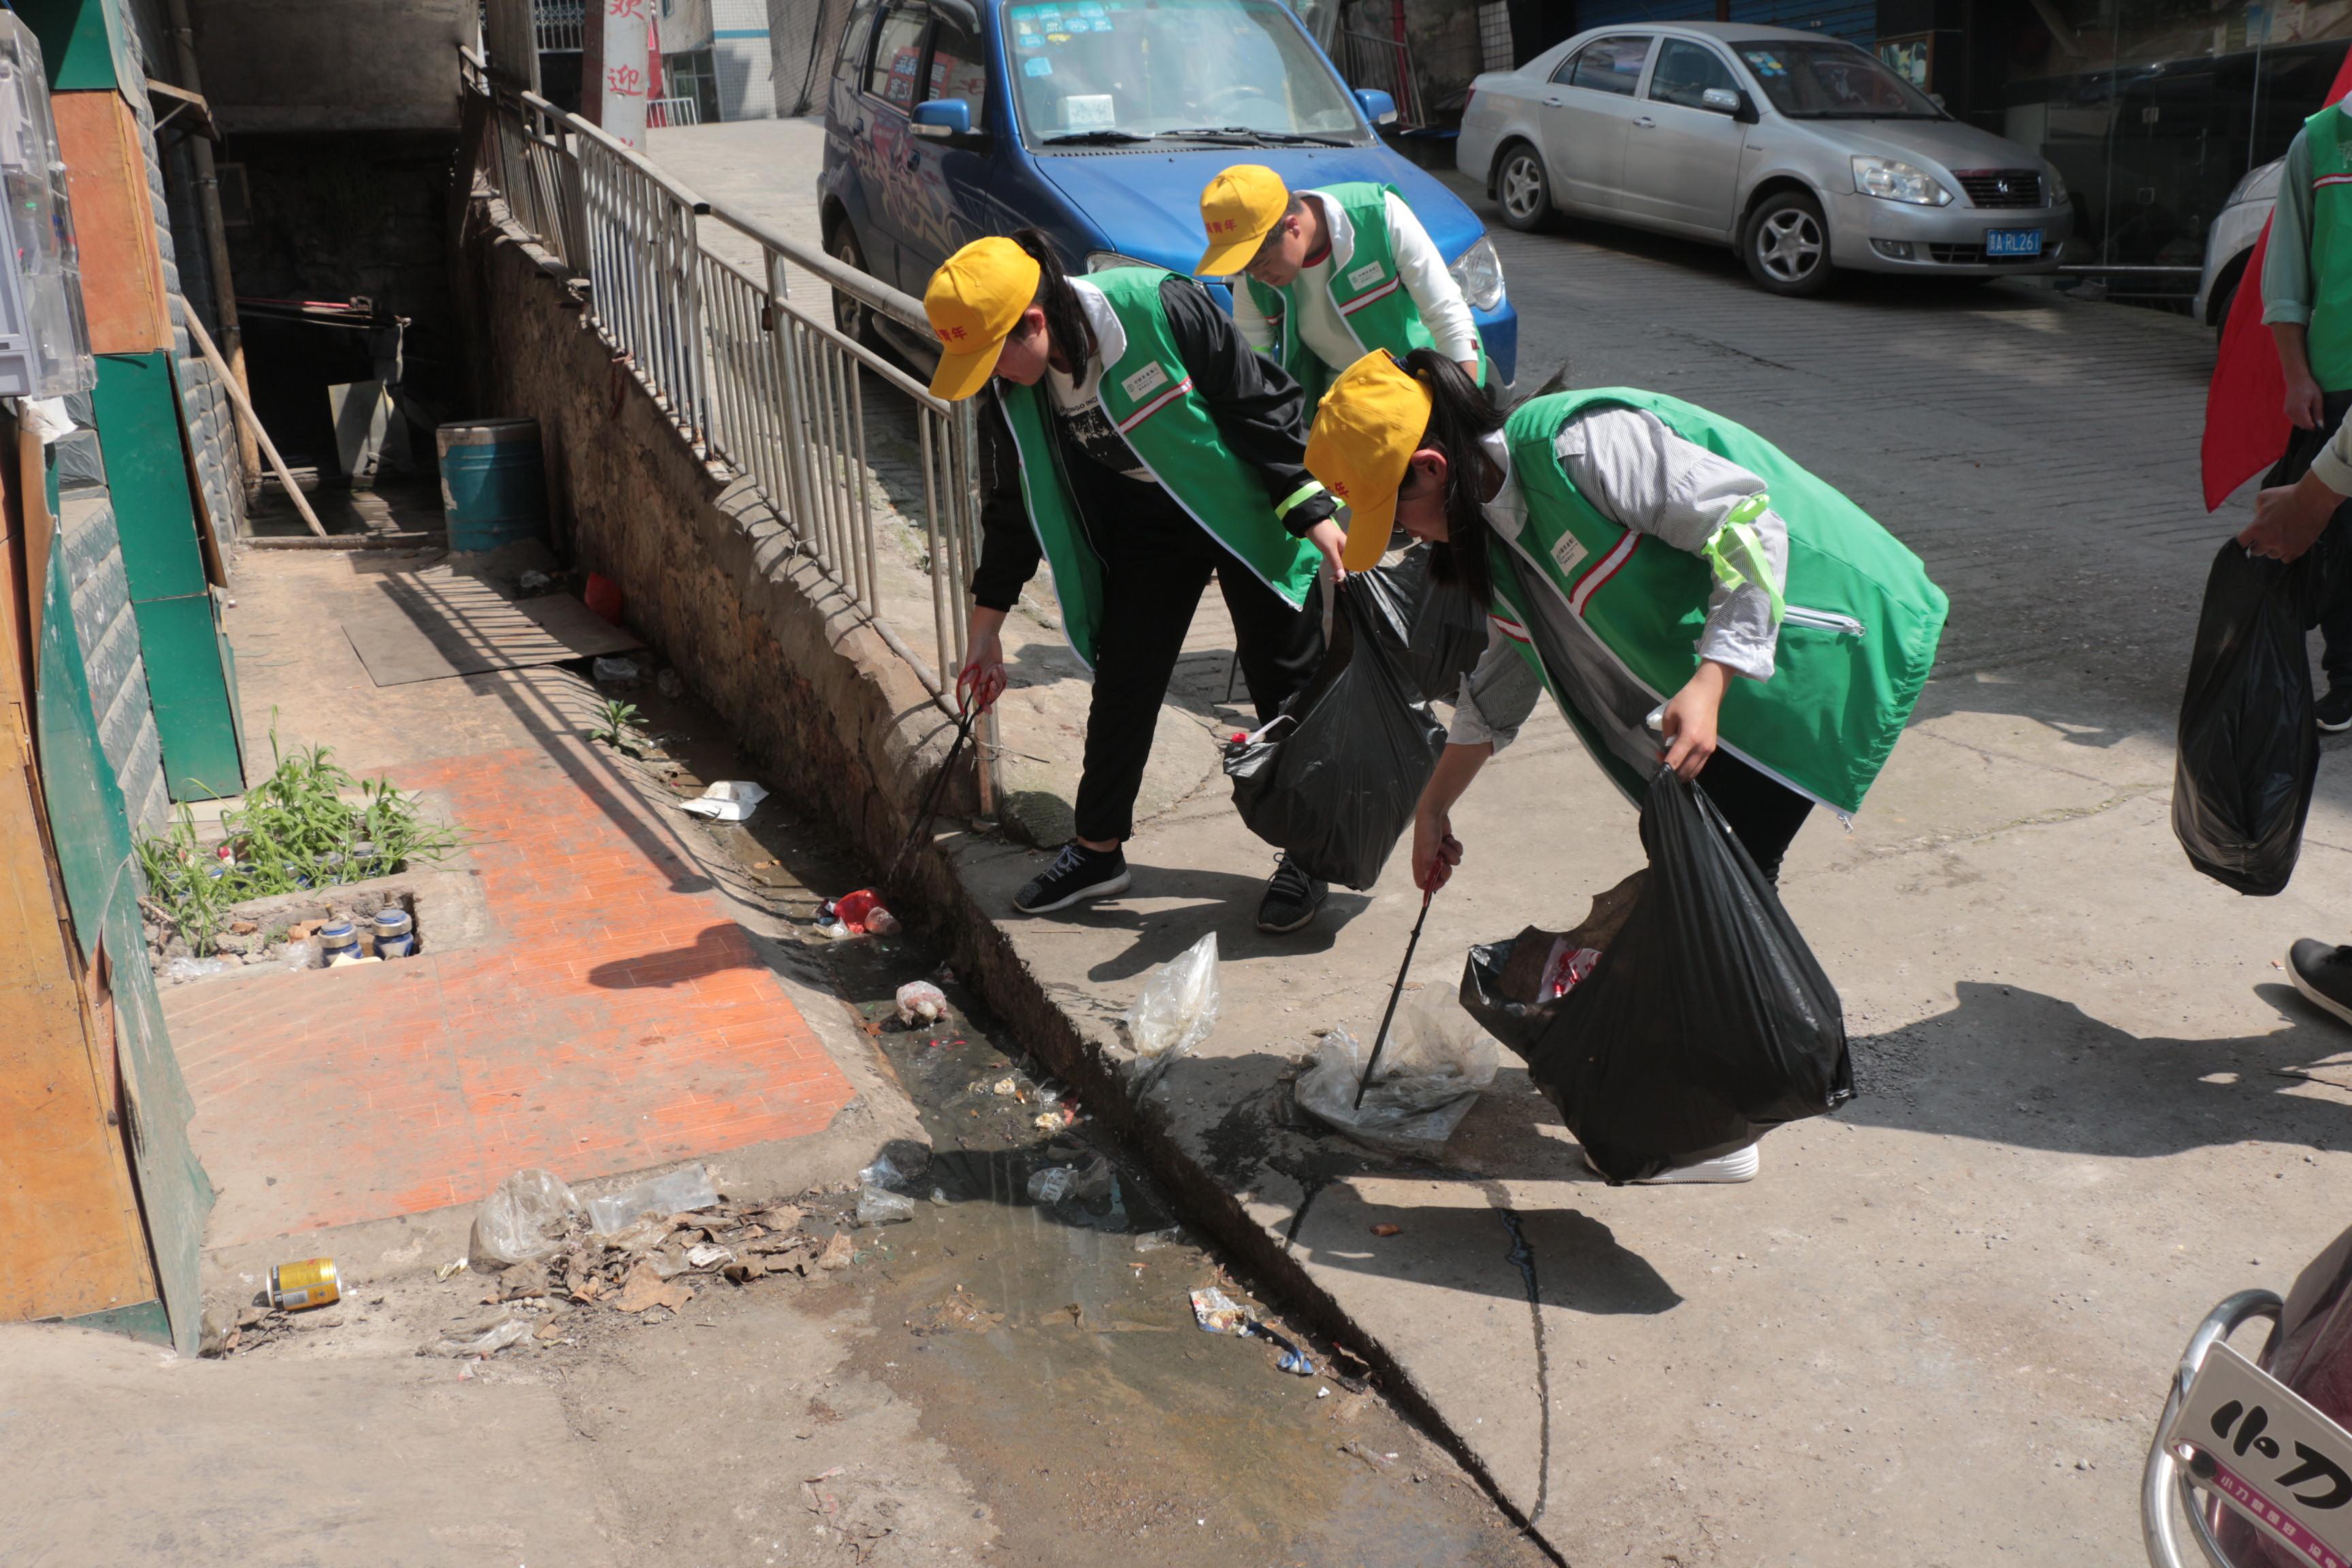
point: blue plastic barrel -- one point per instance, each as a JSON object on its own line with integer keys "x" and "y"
{"x": 492, "y": 488}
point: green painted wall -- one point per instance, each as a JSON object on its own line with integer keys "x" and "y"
{"x": 102, "y": 886}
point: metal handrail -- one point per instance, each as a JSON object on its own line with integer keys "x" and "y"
{"x": 2163, "y": 1476}
{"x": 756, "y": 380}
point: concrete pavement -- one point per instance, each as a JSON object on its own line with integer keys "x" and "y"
{"x": 1937, "y": 1329}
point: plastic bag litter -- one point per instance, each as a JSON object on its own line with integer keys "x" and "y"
{"x": 729, "y": 800}
{"x": 921, "y": 1002}
{"x": 1176, "y": 1012}
{"x": 883, "y": 1172}
{"x": 1333, "y": 779}
{"x": 1449, "y": 629}
{"x": 1218, "y": 1314}
{"x": 615, "y": 671}
{"x": 879, "y": 1205}
{"x": 1709, "y": 1021}
{"x": 1436, "y": 1063}
{"x": 2248, "y": 748}
{"x": 520, "y": 1221}
{"x": 489, "y": 1341}
{"x": 681, "y": 1191}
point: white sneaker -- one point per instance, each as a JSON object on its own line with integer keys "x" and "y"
{"x": 1739, "y": 1165}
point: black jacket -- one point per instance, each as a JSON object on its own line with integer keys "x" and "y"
{"x": 1259, "y": 411}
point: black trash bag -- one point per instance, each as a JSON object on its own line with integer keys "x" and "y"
{"x": 2248, "y": 747}
{"x": 1448, "y": 628}
{"x": 1517, "y": 1023}
{"x": 1334, "y": 778}
{"x": 1707, "y": 1021}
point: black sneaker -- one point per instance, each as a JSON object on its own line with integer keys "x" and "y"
{"x": 1292, "y": 896}
{"x": 1077, "y": 875}
{"x": 2323, "y": 973}
{"x": 2333, "y": 712}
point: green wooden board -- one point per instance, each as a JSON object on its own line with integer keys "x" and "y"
{"x": 193, "y": 716}
{"x": 92, "y": 830}
{"x": 84, "y": 43}
{"x": 147, "y": 475}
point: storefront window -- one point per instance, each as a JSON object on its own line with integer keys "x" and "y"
{"x": 2153, "y": 110}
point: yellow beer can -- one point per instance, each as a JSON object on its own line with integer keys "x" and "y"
{"x": 310, "y": 1283}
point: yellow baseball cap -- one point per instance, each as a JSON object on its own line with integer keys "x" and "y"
{"x": 974, "y": 302}
{"x": 1366, "y": 430}
{"x": 1239, "y": 208}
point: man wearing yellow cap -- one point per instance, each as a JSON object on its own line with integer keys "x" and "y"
{"x": 1138, "y": 445}
{"x": 1323, "y": 276}
{"x": 1663, "y": 573}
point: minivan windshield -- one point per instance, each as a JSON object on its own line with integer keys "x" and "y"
{"x": 1235, "y": 71}
{"x": 1830, "y": 80}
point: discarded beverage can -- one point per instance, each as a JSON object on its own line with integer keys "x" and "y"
{"x": 294, "y": 1286}
{"x": 395, "y": 933}
{"x": 337, "y": 940}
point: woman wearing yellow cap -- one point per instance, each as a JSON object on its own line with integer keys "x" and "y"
{"x": 1325, "y": 276}
{"x": 1664, "y": 573}
{"x": 1138, "y": 445}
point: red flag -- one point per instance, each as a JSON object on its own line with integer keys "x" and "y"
{"x": 2245, "y": 406}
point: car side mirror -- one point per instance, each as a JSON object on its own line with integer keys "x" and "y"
{"x": 943, "y": 118}
{"x": 1722, "y": 99}
{"x": 1378, "y": 106}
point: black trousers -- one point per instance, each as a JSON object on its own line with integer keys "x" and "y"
{"x": 1154, "y": 571}
{"x": 2334, "y": 619}
{"x": 1762, "y": 812}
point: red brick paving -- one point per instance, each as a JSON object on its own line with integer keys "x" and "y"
{"x": 617, "y": 1018}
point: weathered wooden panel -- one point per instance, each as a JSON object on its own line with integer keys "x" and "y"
{"x": 114, "y": 224}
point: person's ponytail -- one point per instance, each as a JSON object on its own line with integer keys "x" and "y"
{"x": 1066, "y": 320}
{"x": 1461, "y": 416}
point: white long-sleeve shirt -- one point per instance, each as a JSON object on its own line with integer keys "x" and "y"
{"x": 1326, "y": 332}
{"x": 1639, "y": 474}
{"x": 2333, "y": 467}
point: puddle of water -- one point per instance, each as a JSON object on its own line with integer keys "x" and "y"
{"x": 1051, "y": 1344}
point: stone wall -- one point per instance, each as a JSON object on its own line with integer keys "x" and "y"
{"x": 837, "y": 723}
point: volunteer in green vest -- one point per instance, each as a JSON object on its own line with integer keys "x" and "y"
{"x": 2307, "y": 305}
{"x": 1324, "y": 276}
{"x": 1685, "y": 591}
{"x": 1137, "y": 445}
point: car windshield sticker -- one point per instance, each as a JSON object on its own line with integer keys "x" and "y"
{"x": 1089, "y": 112}
{"x": 1037, "y": 65}
{"x": 1764, "y": 62}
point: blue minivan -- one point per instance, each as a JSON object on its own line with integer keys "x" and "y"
{"x": 1098, "y": 121}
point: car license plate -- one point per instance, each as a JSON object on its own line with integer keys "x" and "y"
{"x": 2012, "y": 242}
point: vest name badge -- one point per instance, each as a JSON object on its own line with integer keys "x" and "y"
{"x": 1364, "y": 277}
{"x": 1569, "y": 554}
{"x": 1144, "y": 382}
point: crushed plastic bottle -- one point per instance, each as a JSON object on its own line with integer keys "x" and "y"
{"x": 681, "y": 1191}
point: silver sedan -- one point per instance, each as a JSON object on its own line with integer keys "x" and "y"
{"x": 1802, "y": 153}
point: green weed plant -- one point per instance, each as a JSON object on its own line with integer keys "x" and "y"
{"x": 295, "y": 832}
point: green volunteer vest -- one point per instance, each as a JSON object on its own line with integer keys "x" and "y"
{"x": 2328, "y": 340}
{"x": 1148, "y": 395}
{"x": 1368, "y": 296}
{"x": 1611, "y": 619}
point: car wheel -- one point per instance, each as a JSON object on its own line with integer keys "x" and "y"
{"x": 850, "y": 316}
{"x": 1787, "y": 247}
{"x": 1522, "y": 187}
